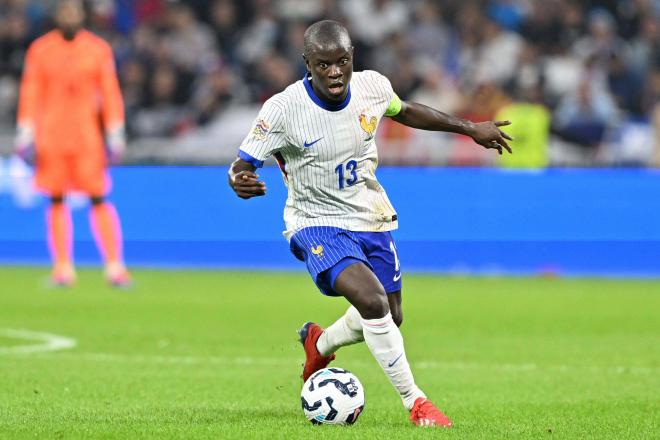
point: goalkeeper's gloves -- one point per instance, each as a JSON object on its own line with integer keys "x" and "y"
{"x": 24, "y": 143}
{"x": 116, "y": 142}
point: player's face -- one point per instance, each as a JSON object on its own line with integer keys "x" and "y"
{"x": 69, "y": 18}
{"x": 331, "y": 70}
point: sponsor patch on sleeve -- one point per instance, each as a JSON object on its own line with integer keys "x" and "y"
{"x": 260, "y": 130}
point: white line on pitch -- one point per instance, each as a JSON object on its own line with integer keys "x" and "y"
{"x": 44, "y": 342}
{"x": 283, "y": 361}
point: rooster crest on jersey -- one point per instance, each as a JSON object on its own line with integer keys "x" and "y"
{"x": 318, "y": 251}
{"x": 368, "y": 125}
{"x": 261, "y": 129}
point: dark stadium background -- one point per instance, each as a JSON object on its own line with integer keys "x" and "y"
{"x": 579, "y": 79}
{"x": 530, "y": 282}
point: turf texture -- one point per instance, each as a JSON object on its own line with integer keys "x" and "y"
{"x": 207, "y": 354}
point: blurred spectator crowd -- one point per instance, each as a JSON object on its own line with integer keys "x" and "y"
{"x": 580, "y": 79}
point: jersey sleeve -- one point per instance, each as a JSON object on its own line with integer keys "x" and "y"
{"x": 267, "y": 135}
{"x": 113, "y": 104}
{"x": 384, "y": 87}
{"x": 30, "y": 90}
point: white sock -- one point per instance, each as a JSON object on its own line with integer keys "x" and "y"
{"x": 347, "y": 330}
{"x": 386, "y": 344}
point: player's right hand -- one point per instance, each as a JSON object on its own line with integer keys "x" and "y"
{"x": 246, "y": 185}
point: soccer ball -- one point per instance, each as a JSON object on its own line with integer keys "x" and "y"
{"x": 332, "y": 396}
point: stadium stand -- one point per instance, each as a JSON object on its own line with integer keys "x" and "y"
{"x": 193, "y": 72}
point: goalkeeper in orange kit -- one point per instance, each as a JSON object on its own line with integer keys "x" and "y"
{"x": 69, "y": 99}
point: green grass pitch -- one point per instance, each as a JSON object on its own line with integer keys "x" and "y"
{"x": 214, "y": 355}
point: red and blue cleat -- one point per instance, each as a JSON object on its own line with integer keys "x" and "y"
{"x": 314, "y": 361}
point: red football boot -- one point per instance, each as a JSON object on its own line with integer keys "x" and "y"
{"x": 63, "y": 275}
{"x": 118, "y": 276}
{"x": 309, "y": 334}
{"x": 424, "y": 413}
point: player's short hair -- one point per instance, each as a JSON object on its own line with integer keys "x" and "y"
{"x": 325, "y": 33}
{"x": 57, "y": 4}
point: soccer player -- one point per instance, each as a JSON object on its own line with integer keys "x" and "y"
{"x": 338, "y": 218}
{"x": 69, "y": 95}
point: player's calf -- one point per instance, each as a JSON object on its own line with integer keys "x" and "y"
{"x": 60, "y": 238}
{"x": 397, "y": 317}
{"x": 394, "y": 300}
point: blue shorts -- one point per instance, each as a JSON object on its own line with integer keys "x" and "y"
{"x": 327, "y": 251}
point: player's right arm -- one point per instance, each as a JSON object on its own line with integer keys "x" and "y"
{"x": 28, "y": 101}
{"x": 266, "y": 137}
{"x": 244, "y": 181}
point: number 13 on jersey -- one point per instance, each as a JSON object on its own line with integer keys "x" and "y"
{"x": 350, "y": 169}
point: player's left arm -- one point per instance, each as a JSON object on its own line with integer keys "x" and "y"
{"x": 113, "y": 106}
{"x": 487, "y": 134}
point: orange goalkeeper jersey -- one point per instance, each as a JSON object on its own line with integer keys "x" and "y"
{"x": 68, "y": 92}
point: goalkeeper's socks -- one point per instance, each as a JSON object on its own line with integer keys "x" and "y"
{"x": 384, "y": 340}
{"x": 347, "y": 330}
{"x": 60, "y": 234}
{"x": 107, "y": 232}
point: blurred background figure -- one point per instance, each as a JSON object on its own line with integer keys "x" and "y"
{"x": 69, "y": 81}
{"x": 531, "y": 131}
{"x": 582, "y": 118}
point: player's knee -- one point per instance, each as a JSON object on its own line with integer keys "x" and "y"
{"x": 374, "y": 305}
{"x": 57, "y": 199}
{"x": 97, "y": 200}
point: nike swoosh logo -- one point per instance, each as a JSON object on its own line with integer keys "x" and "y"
{"x": 309, "y": 144}
{"x": 391, "y": 364}
{"x": 397, "y": 277}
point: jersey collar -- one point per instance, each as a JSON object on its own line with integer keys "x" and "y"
{"x": 320, "y": 102}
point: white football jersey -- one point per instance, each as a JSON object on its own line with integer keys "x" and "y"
{"x": 327, "y": 154}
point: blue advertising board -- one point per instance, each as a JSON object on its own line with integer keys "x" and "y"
{"x": 557, "y": 221}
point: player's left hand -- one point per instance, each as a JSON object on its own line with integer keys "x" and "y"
{"x": 116, "y": 141}
{"x": 116, "y": 153}
{"x": 488, "y": 135}
{"x": 24, "y": 144}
